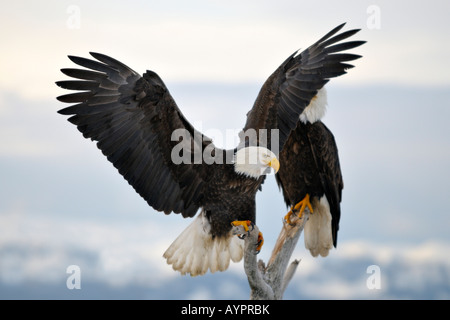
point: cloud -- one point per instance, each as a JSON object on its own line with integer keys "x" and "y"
{"x": 215, "y": 42}
{"x": 39, "y": 248}
{"x": 405, "y": 272}
{"x": 123, "y": 254}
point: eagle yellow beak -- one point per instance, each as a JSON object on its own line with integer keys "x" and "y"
{"x": 275, "y": 164}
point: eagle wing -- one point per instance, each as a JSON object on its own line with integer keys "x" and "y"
{"x": 132, "y": 118}
{"x": 290, "y": 89}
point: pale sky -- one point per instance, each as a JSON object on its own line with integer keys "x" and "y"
{"x": 232, "y": 41}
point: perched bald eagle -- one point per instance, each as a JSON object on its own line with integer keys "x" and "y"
{"x": 310, "y": 176}
{"x": 142, "y": 132}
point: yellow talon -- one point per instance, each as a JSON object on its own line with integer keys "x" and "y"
{"x": 302, "y": 206}
{"x": 260, "y": 242}
{"x": 287, "y": 217}
{"x": 244, "y": 223}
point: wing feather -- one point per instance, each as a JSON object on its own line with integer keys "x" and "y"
{"x": 131, "y": 117}
{"x": 326, "y": 152}
{"x": 290, "y": 89}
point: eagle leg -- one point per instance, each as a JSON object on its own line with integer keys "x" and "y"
{"x": 299, "y": 207}
{"x": 246, "y": 224}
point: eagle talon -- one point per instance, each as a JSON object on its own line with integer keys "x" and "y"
{"x": 245, "y": 224}
{"x": 287, "y": 217}
{"x": 299, "y": 208}
{"x": 259, "y": 243}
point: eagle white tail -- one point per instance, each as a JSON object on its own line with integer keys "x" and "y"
{"x": 317, "y": 232}
{"x": 195, "y": 251}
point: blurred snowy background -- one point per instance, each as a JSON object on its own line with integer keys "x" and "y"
{"x": 62, "y": 203}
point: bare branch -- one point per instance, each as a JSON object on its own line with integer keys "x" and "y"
{"x": 259, "y": 288}
{"x": 289, "y": 274}
{"x": 270, "y": 282}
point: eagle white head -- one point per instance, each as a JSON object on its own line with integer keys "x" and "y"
{"x": 255, "y": 161}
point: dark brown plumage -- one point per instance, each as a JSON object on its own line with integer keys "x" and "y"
{"x": 312, "y": 167}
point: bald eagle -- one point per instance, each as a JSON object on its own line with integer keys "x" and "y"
{"x": 140, "y": 129}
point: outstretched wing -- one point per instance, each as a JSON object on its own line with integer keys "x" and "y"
{"x": 132, "y": 118}
{"x": 290, "y": 89}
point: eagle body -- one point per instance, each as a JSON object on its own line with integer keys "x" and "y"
{"x": 138, "y": 126}
{"x": 311, "y": 154}
{"x": 207, "y": 243}
{"x": 229, "y": 197}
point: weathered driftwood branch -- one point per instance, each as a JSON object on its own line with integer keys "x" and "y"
{"x": 269, "y": 282}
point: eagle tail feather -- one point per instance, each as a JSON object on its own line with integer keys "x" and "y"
{"x": 195, "y": 251}
{"x": 317, "y": 233}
